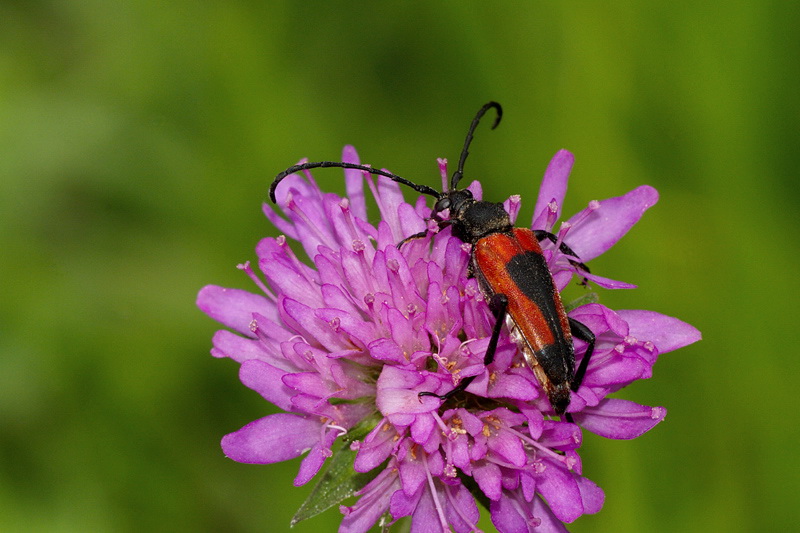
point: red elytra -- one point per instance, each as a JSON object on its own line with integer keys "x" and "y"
{"x": 512, "y": 264}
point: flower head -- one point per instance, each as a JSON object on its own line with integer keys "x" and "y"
{"x": 345, "y": 344}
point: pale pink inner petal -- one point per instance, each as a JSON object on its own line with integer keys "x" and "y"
{"x": 554, "y": 183}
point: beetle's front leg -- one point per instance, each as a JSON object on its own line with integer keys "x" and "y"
{"x": 566, "y": 250}
{"x": 436, "y": 218}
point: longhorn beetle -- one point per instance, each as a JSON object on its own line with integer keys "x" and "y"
{"x": 512, "y": 273}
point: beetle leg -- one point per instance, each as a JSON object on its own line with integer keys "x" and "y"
{"x": 499, "y": 306}
{"x": 582, "y": 332}
{"x": 421, "y": 234}
{"x": 566, "y": 250}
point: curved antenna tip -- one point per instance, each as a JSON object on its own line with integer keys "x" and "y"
{"x": 497, "y": 108}
{"x": 459, "y": 173}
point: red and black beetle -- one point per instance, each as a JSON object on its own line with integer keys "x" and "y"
{"x": 513, "y": 274}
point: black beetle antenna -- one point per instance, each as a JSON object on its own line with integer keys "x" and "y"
{"x": 465, "y": 152}
{"x": 422, "y": 189}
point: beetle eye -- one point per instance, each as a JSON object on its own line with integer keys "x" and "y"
{"x": 441, "y": 205}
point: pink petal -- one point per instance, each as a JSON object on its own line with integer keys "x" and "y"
{"x": 286, "y": 279}
{"x": 666, "y": 332}
{"x": 426, "y": 518}
{"x": 462, "y": 512}
{"x": 312, "y": 462}
{"x": 476, "y": 189}
{"x": 375, "y": 448}
{"x": 512, "y": 206}
{"x": 391, "y": 197}
{"x": 488, "y": 477}
{"x": 272, "y": 439}
{"x": 238, "y": 348}
{"x": 549, "y": 522}
{"x": 412, "y": 470}
{"x": 410, "y": 222}
{"x": 354, "y": 183}
{"x": 558, "y": 487}
{"x": 509, "y": 448}
{"x": 266, "y": 380}
{"x": 554, "y": 184}
{"x": 594, "y": 233}
{"x": 593, "y": 496}
{"x": 422, "y": 427}
{"x": 403, "y": 504}
{"x": 233, "y": 307}
{"x": 398, "y": 392}
{"x": 308, "y": 383}
{"x": 284, "y": 226}
{"x": 386, "y": 350}
{"x": 506, "y": 516}
{"x": 514, "y": 386}
{"x": 607, "y": 283}
{"x": 302, "y": 319}
{"x": 373, "y": 502}
{"x": 614, "y": 418}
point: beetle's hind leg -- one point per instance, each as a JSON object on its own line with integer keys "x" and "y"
{"x": 499, "y": 306}
{"x": 581, "y": 331}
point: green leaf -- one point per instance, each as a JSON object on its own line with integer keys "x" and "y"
{"x": 364, "y": 426}
{"x": 340, "y": 480}
{"x": 588, "y": 298}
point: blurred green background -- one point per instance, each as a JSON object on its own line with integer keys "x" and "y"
{"x": 137, "y": 140}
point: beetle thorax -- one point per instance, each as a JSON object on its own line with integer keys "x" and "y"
{"x": 473, "y": 219}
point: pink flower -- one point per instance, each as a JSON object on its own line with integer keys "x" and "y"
{"x": 345, "y": 344}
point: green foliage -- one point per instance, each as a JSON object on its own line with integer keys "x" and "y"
{"x": 335, "y": 485}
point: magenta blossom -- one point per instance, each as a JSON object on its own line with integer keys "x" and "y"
{"x": 345, "y": 345}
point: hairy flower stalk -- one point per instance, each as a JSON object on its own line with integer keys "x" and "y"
{"x": 345, "y": 344}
